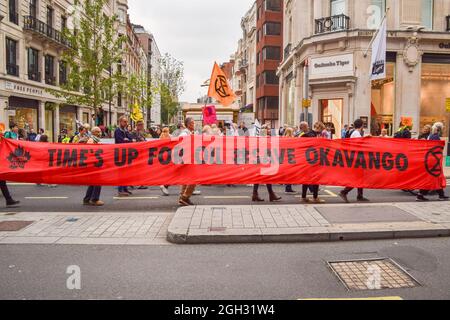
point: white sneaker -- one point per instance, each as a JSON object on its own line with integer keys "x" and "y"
{"x": 197, "y": 193}
{"x": 165, "y": 191}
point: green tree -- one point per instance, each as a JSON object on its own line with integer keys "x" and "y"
{"x": 94, "y": 49}
{"x": 170, "y": 85}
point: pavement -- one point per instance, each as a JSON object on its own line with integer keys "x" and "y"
{"x": 309, "y": 223}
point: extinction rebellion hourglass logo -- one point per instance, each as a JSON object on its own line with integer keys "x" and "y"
{"x": 18, "y": 158}
{"x": 433, "y": 161}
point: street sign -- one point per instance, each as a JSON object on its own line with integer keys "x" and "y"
{"x": 447, "y": 104}
{"x": 306, "y": 103}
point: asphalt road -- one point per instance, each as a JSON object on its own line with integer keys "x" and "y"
{"x": 69, "y": 199}
{"x": 258, "y": 272}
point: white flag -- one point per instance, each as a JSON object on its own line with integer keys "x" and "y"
{"x": 378, "y": 65}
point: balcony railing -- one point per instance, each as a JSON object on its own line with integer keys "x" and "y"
{"x": 12, "y": 69}
{"x": 34, "y": 75}
{"x": 448, "y": 23}
{"x": 51, "y": 80}
{"x": 14, "y": 17}
{"x": 35, "y": 25}
{"x": 287, "y": 50}
{"x": 334, "y": 23}
{"x": 243, "y": 64}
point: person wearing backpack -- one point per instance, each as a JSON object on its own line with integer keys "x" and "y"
{"x": 13, "y": 132}
{"x": 358, "y": 132}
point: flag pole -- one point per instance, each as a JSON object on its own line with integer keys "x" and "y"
{"x": 376, "y": 33}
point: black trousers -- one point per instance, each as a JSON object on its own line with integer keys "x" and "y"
{"x": 314, "y": 189}
{"x": 269, "y": 188}
{"x": 5, "y": 191}
{"x": 93, "y": 194}
{"x": 440, "y": 192}
{"x": 346, "y": 191}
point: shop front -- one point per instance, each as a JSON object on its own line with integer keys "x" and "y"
{"x": 68, "y": 118}
{"x": 435, "y": 90}
{"x": 24, "y": 113}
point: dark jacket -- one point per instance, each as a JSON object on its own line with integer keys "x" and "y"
{"x": 310, "y": 134}
{"x": 122, "y": 136}
{"x": 434, "y": 137}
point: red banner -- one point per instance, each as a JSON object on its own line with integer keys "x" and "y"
{"x": 374, "y": 163}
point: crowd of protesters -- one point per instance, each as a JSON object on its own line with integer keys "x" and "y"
{"x": 124, "y": 133}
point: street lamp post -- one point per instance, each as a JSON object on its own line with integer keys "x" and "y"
{"x": 110, "y": 97}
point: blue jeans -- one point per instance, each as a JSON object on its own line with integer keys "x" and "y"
{"x": 93, "y": 194}
{"x": 123, "y": 189}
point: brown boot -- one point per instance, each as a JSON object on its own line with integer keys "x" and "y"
{"x": 274, "y": 197}
{"x": 256, "y": 197}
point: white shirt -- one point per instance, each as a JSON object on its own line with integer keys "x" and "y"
{"x": 185, "y": 133}
{"x": 356, "y": 134}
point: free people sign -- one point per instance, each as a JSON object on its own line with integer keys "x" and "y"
{"x": 341, "y": 65}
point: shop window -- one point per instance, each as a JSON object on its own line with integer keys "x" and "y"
{"x": 434, "y": 93}
{"x": 49, "y": 123}
{"x": 331, "y": 111}
{"x": 25, "y": 118}
{"x": 383, "y": 102}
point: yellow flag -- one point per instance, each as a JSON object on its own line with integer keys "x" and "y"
{"x": 136, "y": 114}
{"x": 219, "y": 87}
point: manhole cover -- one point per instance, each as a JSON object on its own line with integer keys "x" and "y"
{"x": 376, "y": 274}
{"x": 14, "y": 225}
{"x": 365, "y": 214}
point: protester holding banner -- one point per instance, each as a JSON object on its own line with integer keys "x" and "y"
{"x": 92, "y": 197}
{"x": 436, "y": 134}
{"x": 316, "y": 133}
{"x": 10, "y": 202}
{"x": 289, "y": 133}
{"x": 13, "y": 132}
{"x": 187, "y": 190}
{"x": 121, "y": 136}
{"x": 358, "y": 132}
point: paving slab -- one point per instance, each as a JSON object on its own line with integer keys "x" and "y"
{"x": 311, "y": 223}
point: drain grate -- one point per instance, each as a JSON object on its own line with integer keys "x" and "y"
{"x": 10, "y": 226}
{"x": 375, "y": 274}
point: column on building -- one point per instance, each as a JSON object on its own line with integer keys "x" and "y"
{"x": 41, "y": 116}
{"x": 23, "y": 59}
{"x": 3, "y": 116}
{"x": 56, "y": 126}
{"x": 2, "y": 50}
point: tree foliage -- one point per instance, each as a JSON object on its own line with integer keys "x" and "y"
{"x": 94, "y": 49}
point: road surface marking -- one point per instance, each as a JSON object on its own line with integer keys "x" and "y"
{"x": 46, "y": 198}
{"x": 20, "y": 184}
{"x": 344, "y": 299}
{"x": 136, "y": 198}
{"x": 334, "y": 195}
{"x": 226, "y": 197}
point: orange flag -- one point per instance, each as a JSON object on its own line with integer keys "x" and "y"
{"x": 219, "y": 87}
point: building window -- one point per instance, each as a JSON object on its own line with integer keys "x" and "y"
{"x": 33, "y": 65}
{"x": 62, "y": 72}
{"x": 270, "y": 77}
{"x": 272, "y": 29}
{"x": 271, "y": 53}
{"x": 273, "y": 5}
{"x": 119, "y": 99}
{"x": 33, "y": 8}
{"x": 50, "y": 17}
{"x": 63, "y": 23}
{"x": 337, "y": 7}
{"x": 13, "y": 15}
{"x": 49, "y": 70}
{"x": 427, "y": 13}
{"x": 11, "y": 58}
